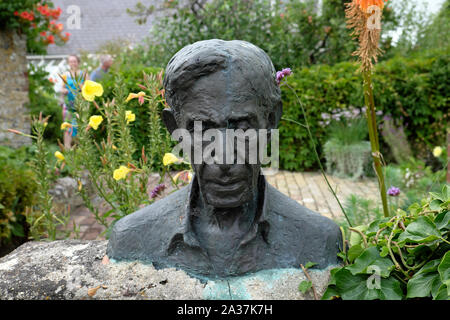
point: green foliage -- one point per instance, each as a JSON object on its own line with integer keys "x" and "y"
{"x": 42, "y": 99}
{"x": 291, "y": 32}
{"x": 360, "y": 211}
{"x": 133, "y": 74}
{"x": 400, "y": 257}
{"x": 436, "y": 35}
{"x": 346, "y": 152}
{"x": 17, "y": 193}
{"x": 412, "y": 89}
{"x": 413, "y": 178}
{"x": 43, "y": 219}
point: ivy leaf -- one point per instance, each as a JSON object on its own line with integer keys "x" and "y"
{"x": 333, "y": 271}
{"x": 429, "y": 267}
{"x": 357, "y": 287}
{"x": 442, "y": 220}
{"x": 305, "y": 286}
{"x": 384, "y": 251}
{"x": 371, "y": 257}
{"x": 421, "y": 284}
{"x": 442, "y": 293}
{"x": 444, "y": 268}
{"x": 354, "y": 252}
{"x": 330, "y": 293}
{"x": 420, "y": 230}
{"x": 435, "y": 205}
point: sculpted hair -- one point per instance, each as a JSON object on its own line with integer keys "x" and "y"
{"x": 203, "y": 58}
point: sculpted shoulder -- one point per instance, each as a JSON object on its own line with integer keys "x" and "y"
{"x": 148, "y": 230}
{"x": 315, "y": 238}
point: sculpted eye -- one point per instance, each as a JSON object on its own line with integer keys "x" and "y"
{"x": 241, "y": 124}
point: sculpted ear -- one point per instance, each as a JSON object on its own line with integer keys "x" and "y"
{"x": 168, "y": 117}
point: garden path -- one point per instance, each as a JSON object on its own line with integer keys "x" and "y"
{"x": 308, "y": 188}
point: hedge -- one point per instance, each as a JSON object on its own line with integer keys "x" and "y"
{"x": 411, "y": 90}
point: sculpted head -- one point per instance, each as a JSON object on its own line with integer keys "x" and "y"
{"x": 225, "y": 85}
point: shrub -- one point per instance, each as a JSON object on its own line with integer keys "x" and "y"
{"x": 17, "y": 193}
{"x": 412, "y": 89}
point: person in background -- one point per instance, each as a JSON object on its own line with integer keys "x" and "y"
{"x": 105, "y": 63}
{"x": 74, "y": 78}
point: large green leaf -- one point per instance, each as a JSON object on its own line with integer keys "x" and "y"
{"x": 421, "y": 230}
{"x": 444, "y": 268}
{"x": 371, "y": 257}
{"x": 354, "y": 252}
{"x": 356, "y": 287}
{"x": 442, "y": 293}
{"x": 421, "y": 284}
{"x": 330, "y": 293}
{"x": 443, "y": 220}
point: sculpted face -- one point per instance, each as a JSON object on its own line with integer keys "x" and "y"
{"x": 222, "y": 101}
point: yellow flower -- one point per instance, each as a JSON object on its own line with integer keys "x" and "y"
{"x": 170, "y": 158}
{"x": 120, "y": 173}
{"x": 183, "y": 175}
{"x": 94, "y": 121}
{"x": 130, "y": 116}
{"x": 65, "y": 125}
{"x": 437, "y": 152}
{"x": 91, "y": 89}
{"x": 80, "y": 185}
{"x": 45, "y": 124}
{"x": 135, "y": 95}
{"x": 114, "y": 147}
{"x": 59, "y": 156}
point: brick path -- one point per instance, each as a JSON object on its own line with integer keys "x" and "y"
{"x": 308, "y": 188}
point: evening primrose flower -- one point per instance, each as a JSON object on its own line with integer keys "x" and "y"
{"x": 94, "y": 121}
{"x": 437, "y": 152}
{"x": 170, "y": 158}
{"x": 140, "y": 95}
{"x": 130, "y": 116}
{"x": 91, "y": 89}
{"x": 65, "y": 125}
{"x": 120, "y": 173}
{"x": 59, "y": 156}
{"x": 185, "y": 175}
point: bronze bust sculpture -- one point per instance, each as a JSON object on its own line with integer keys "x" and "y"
{"x": 228, "y": 221}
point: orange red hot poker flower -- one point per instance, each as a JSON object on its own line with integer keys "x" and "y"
{"x": 365, "y": 29}
{"x": 364, "y": 4}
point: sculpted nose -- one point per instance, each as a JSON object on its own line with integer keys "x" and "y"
{"x": 224, "y": 167}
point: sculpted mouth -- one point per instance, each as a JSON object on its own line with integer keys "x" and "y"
{"x": 226, "y": 185}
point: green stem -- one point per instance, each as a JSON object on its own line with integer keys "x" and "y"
{"x": 315, "y": 151}
{"x": 373, "y": 135}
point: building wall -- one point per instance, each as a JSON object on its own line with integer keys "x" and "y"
{"x": 13, "y": 89}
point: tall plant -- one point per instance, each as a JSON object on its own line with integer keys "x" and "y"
{"x": 363, "y": 16}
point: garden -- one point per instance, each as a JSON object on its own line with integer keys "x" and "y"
{"x": 365, "y": 107}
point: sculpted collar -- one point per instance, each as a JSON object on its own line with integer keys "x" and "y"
{"x": 260, "y": 224}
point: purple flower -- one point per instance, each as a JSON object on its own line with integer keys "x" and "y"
{"x": 283, "y": 73}
{"x": 157, "y": 190}
{"x": 393, "y": 191}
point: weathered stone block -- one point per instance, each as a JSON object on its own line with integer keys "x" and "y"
{"x": 76, "y": 269}
{"x": 13, "y": 89}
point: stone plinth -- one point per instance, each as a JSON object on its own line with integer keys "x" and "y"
{"x": 77, "y": 269}
{"x": 13, "y": 89}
